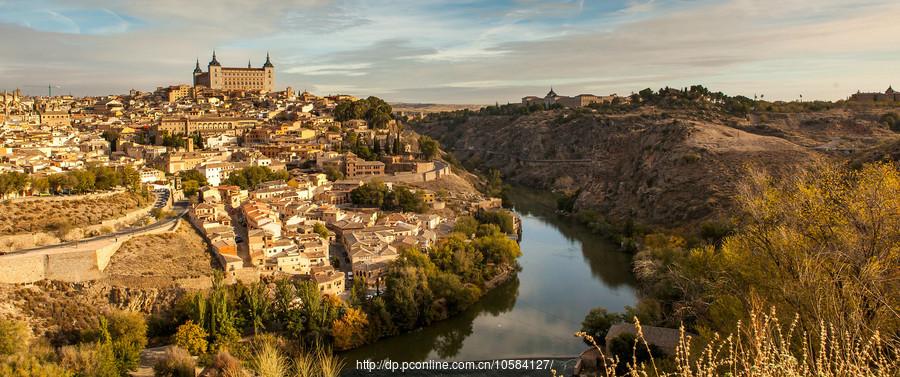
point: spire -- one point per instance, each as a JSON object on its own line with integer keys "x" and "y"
{"x": 268, "y": 62}
{"x": 214, "y": 61}
{"x": 197, "y": 67}
{"x": 248, "y": 63}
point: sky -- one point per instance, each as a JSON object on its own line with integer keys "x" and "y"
{"x": 459, "y": 51}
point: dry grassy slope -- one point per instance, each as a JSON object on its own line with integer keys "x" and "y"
{"x": 43, "y": 215}
{"x": 664, "y": 168}
{"x": 162, "y": 260}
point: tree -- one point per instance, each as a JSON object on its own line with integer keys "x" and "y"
{"x": 358, "y": 292}
{"x": 498, "y": 249}
{"x": 333, "y": 173}
{"x": 254, "y": 299}
{"x": 251, "y": 176}
{"x": 369, "y": 194}
{"x": 191, "y": 337}
{"x": 466, "y": 225}
{"x": 322, "y": 231}
{"x": 376, "y": 146}
{"x": 39, "y": 185}
{"x": 597, "y": 324}
{"x": 822, "y": 242}
{"x": 131, "y": 179}
{"x": 501, "y": 218}
{"x": 193, "y": 175}
{"x": 380, "y": 322}
{"x": 429, "y": 147}
{"x": 349, "y": 330}
{"x": 126, "y": 335}
{"x": 190, "y": 188}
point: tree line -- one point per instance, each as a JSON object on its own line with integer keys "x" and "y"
{"x": 376, "y": 194}
{"x": 376, "y": 112}
{"x": 90, "y": 179}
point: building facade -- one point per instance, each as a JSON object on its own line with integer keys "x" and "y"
{"x": 889, "y": 95}
{"x": 580, "y": 100}
{"x": 233, "y": 78}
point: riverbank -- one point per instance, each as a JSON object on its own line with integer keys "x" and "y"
{"x": 565, "y": 270}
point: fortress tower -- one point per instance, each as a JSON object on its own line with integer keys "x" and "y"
{"x": 234, "y": 78}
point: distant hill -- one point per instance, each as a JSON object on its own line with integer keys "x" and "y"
{"x": 657, "y": 166}
{"x": 427, "y": 108}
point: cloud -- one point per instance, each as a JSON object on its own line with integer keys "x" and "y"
{"x": 356, "y": 69}
{"x": 462, "y": 51}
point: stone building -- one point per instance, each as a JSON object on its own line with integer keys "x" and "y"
{"x": 234, "y": 78}
{"x": 203, "y": 125}
{"x": 889, "y": 95}
{"x": 580, "y": 100}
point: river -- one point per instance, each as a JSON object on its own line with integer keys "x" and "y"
{"x": 566, "y": 271}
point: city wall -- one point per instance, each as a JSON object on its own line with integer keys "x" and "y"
{"x": 63, "y": 265}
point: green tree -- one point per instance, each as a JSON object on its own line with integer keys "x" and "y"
{"x": 190, "y": 187}
{"x": 597, "y": 324}
{"x": 251, "y": 176}
{"x": 429, "y": 147}
{"x": 501, "y": 218}
{"x": 193, "y": 175}
{"x": 466, "y": 225}
{"x": 257, "y": 305}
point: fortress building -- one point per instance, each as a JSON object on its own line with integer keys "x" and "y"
{"x": 889, "y": 95}
{"x": 229, "y": 78}
{"x": 580, "y": 100}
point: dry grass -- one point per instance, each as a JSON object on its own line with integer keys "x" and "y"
{"x": 764, "y": 347}
{"x": 158, "y": 260}
{"x": 52, "y": 215}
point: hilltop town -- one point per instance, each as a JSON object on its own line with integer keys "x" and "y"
{"x": 277, "y": 183}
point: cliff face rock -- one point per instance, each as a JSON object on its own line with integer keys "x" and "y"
{"x": 658, "y": 167}
{"x": 143, "y": 300}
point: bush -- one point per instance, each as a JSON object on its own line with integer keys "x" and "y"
{"x": 14, "y": 337}
{"x": 90, "y": 359}
{"x": 191, "y": 337}
{"x": 177, "y": 362}
{"x": 226, "y": 365}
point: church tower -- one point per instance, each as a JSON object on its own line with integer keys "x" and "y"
{"x": 197, "y": 73}
{"x": 216, "y": 81}
{"x": 269, "y": 79}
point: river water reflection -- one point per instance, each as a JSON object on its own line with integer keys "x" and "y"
{"x": 566, "y": 271}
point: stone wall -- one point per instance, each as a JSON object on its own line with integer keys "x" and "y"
{"x": 64, "y": 265}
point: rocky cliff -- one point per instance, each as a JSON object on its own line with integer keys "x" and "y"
{"x": 660, "y": 167}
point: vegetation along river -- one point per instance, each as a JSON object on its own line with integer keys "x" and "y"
{"x": 566, "y": 271}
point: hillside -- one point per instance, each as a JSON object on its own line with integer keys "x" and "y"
{"x": 659, "y": 167}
